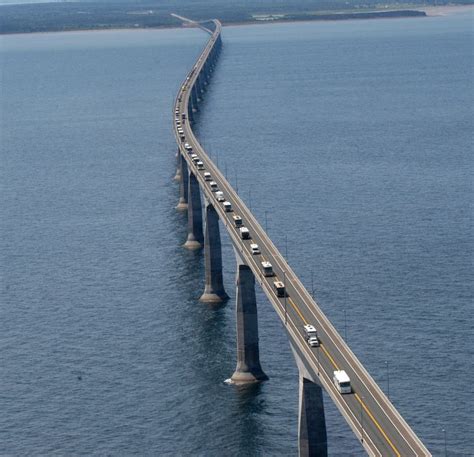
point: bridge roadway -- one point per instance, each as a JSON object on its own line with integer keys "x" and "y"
{"x": 372, "y": 417}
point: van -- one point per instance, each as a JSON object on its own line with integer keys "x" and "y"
{"x": 244, "y": 233}
{"x": 267, "y": 269}
{"x": 220, "y": 196}
{"x": 227, "y": 207}
{"x": 196, "y": 160}
{"x": 214, "y": 187}
{"x": 255, "y": 249}
{"x": 342, "y": 382}
{"x": 237, "y": 221}
{"x": 280, "y": 288}
{"x": 207, "y": 176}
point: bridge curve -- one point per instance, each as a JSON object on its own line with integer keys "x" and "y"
{"x": 372, "y": 417}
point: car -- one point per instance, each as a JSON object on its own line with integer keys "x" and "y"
{"x": 214, "y": 187}
{"x": 200, "y": 165}
{"x": 255, "y": 249}
{"x": 313, "y": 341}
{"x": 220, "y": 196}
{"x": 207, "y": 176}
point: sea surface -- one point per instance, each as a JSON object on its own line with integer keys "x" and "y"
{"x": 351, "y": 140}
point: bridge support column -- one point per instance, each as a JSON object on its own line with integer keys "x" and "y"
{"x": 195, "y": 236}
{"x": 312, "y": 439}
{"x": 198, "y": 85}
{"x": 183, "y": 185}
{"x": 214, "y": 290}
{"x": 177, "y": 176}
{"x": 194, "y": 98}
{"x": 248, "y": 368}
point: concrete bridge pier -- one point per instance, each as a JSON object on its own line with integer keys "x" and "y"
{"x": 190, "y": 112}
{"x": 183, "y": 185}
{"x": 194, "y": 98}
{"x": 214, "y": 290}
{"x": 195, "y": 236}
{"x": 248, "y": 369}
{"x": 312, "y": 437}
{"x": 199, "y": 87}
{"x": 177, "y": 176}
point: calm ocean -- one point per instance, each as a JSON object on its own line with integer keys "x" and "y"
{"x": 353, "y": 139}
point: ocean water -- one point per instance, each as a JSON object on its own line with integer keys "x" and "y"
{"x": 353, "y": 140}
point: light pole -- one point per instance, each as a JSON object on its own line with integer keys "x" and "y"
{"x": 445, "y": 445}
{"x": 388, "y": 379}
{"x": 345, "y": 325}
{"x": 317, "y": 355}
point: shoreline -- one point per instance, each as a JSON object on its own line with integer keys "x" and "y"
{"x": 430, "y": 11}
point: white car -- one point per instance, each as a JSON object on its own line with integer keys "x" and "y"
{"x": 255, "y": 249}
{"x": 313, "y": 341}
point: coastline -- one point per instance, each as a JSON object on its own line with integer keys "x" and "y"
{"x": 430, "y": 11}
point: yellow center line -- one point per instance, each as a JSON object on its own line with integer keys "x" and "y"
{"x": 297, "y": 310}
{"x": 334, "y": 364}
{"x": 389, "y": 441}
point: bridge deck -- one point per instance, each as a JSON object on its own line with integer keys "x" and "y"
{"x": 372, "y": 417}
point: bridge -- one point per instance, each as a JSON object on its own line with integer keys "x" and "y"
{"x": 376, "y": 423}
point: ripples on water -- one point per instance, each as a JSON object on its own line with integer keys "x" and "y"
{"x": 354, "y": 137}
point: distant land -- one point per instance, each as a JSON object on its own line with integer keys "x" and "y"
{"x": 91, "y": 15}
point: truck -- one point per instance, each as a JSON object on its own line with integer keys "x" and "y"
{"x": 280, "y": 288}
{"x": 237, "y": 220}
{"x": 342, "y": 382}
{"x": 244, "y": 233}
{"x": 311, "y": 335}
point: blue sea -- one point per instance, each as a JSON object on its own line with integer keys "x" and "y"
{"x": 352, "y": 142}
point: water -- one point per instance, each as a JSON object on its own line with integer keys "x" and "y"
{"x": 354, "y": 137}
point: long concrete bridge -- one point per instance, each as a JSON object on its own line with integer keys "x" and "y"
{"x": 375, "y": 422}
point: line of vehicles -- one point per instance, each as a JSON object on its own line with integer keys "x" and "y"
{"x": 340, "y": 378}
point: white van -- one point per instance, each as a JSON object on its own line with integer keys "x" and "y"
{"x": 342, "y": 382}
{"x": 227, "y": 207}
{"x": 214, "y": 187}
{"x": 207, "y": 176}
{"x": 220, "y": 196}
{"x": 255, "y": 249}
{"x": 244, "y": 233}
{"x": 267, "y": 269}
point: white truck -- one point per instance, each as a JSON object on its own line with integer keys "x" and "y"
{"x": 244, "y": 233}
{"x": 311, "y": 335}
{"x": 342, "y": 382}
